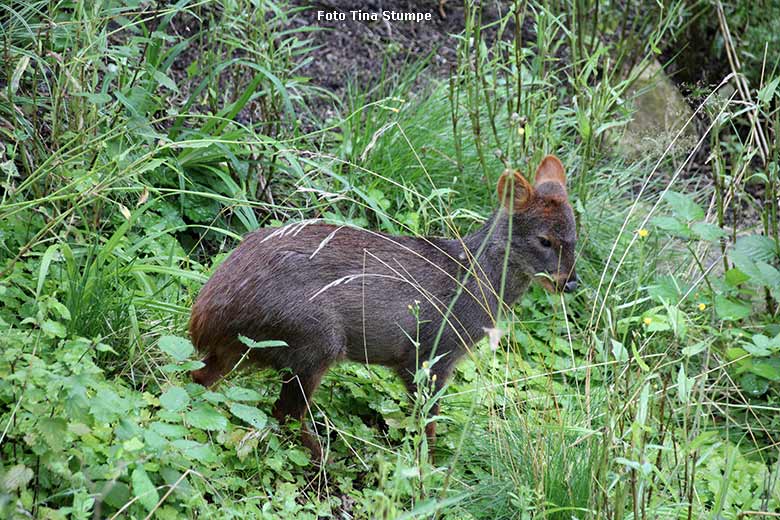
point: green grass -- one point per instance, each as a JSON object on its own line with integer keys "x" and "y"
{"x": 129, "y": 167}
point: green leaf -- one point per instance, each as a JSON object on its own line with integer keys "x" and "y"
{"x": 206, "y": 417}
{"x": 767, "y": 368}
{"x": 53, "y": 329}
{"x": 759, "y": 347}
{"x": 619, "y": 351}
{"x": 237, "y": 393}
{"x": 734, "y": 277}
{"x": 753, "y": 385}
{"x": 249, "y": 342}
{"x": 708, "y": 232}
{"x": 767, "y": 92}
{"x": 756, "y": 247}
{"x": 694, "y": 349}
{"x": 165, "y": 81}
{"x": 107, "y": 406}
{"x": 684, "y": 206}
{"x": 178, "y": 348}
{"x": 175, "y": 399}
{"x": 684, "y": 385}
{"x": 727, "y": 309}
{"x": 195, "y": 450}
{"x": 673, "y": 225}
{"x": 17, "y": 477}
{"x": 144, "y": 489}
{"x": 48, "y": 256}
{"x": 249, "y": 414}
{"x": 117, "y": 495}
{"x": 298, "y": 457}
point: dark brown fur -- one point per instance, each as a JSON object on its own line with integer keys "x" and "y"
{"x": 336, "y": 292}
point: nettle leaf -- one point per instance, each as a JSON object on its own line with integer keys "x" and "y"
{"x": 728, "y": 309}
{"x": 17, "y": 477}
{"x": 684, "y": 206}
{"x": 237, "y": 393}
{"x": 206, "y": 417}
{"x": 758, "y": 271}
{"x": 195, "y": 450}
{"x": 178, "y": 348}
{"x": 175, "y": 399}
{"x": 673, "y": 225}
{"x": 54, "y": 329}
{"x": 757, "y": 247}
{"x": 107, "y": 406}
{"x": 708, "y": 232}
{"x": 249, "y": 414}
{"x": 298, "y": 457}
{"x": 249, "y": 342}
{"x": 144, "y": 489}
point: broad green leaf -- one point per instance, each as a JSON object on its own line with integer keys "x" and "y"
{"x": 17, "y": 477}
{"x": 175, "y": 399}
{"x": 708, "y": 232}
{"x": 767, "y": 92}
{"x": 116, "y": 493}
{"x": 144, "y": 489}
{"x": 53, "y": 329}
{"x": 206, "y": 417}
{"x": 237, "y": 393}
{"x": 759, "y": 347}
{"x": 249, "y": 342}
{"x": 757, "y": 247}
{"x": 673, "y": 225}
{"x": 178, "y": 348}
{"x": 684, "y": 206}
{"x": 753, "y": 385}
{"x": 249, "y": 414}
{"x": 298, "y": 457}
{"x": 734, "y": 277}
{"x": 195, "y": 450}
{"x": 768, "y": 368}
{"x": 107, "y": 406}
{"x": 727, "y": 309}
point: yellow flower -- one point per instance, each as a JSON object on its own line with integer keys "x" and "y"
{"x": 520, "y": 130}
{"x": 702, "y": 306}
{"x": 648, "y": 321}
{"x": 643, "y": 233}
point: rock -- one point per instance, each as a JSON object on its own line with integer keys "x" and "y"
{"x": 660, "y": 112}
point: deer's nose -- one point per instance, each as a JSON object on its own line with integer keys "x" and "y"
{"x": 571, "y": 285}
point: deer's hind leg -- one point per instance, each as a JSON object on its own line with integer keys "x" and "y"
{"x": 308, "y": 365}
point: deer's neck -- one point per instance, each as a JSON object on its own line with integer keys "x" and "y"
{"x": 492, "y": 278}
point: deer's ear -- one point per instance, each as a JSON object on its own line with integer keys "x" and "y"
{"x": 514, "y": 191}
{"x": 551, "y": 170}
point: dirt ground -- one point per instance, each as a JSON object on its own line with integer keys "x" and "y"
{"x": 362, "y": 51}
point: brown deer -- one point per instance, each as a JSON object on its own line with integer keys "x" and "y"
{"x": 336, "y": 292}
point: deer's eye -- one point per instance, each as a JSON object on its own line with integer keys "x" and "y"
{"x": 545, "y": 242}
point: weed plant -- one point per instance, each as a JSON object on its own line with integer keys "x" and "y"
{"x": 141, "y": 140}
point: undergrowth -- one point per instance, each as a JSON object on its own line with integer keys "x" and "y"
{"x": 140, "y": 141}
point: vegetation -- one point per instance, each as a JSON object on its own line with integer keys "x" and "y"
{"x": 140, "y": 140}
